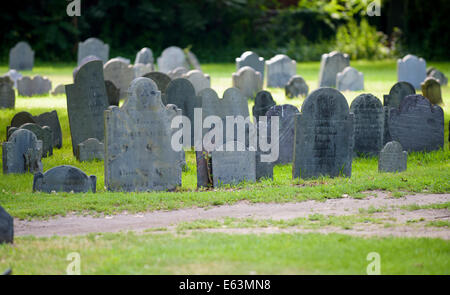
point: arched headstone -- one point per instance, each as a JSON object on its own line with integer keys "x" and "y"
{"x": 94, "y": 47}
{"x": 330, "y": 65}
{"x": 64, "y": 178}
{"x": 21, "y": 57}
{"x": 248, "y": 81}
{"x": 251, "y": 59}
{"x": 22, "y": 153}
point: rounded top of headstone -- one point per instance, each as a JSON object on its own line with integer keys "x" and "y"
{"x": 162, "y": 80}
{"x": 22, "y": 44}
{"x": 22, "y": 132}
{"x": 21, "y": 118}
{"x": 264, "y": 97}
{"x": 66, "y": 172}
{"x": 249, "y": 55}
{"x": 116, "y": 62}
{"x": 411, "y": 101}
{"x": 430, "y": 81}
{"x": 349, "y": 71}
{"x": 247, "y": 70}
{"x": 93, "y": 40}
{"x": 6, "y": 80}
{"x": 366, "y": 100}
{"x": 402, "y": 87}
{"x": 182, "y": 85}
{"x": 193, "y": 73}
{"x": 411, "y": 57}
{"x": 392, "y": 147}
{"x": 85, "y": 61}
{"x": 280, "y": 58}
{"x": 324, "y": 103}
{"x": 336, "y": 53}
{"x": 143, "y": 94}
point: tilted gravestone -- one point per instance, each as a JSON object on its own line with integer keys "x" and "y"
{"x": 263, "y": 102}
{"x": 417, "y": 124}
{"x": 86, "y": 102}
{"x": 350, "y": 79}
{"x": 51, "y": 119}
{"x": 323, "y": 136}
{"x": 144, "y": 56}
{"x": 6, "y": 227}
{"x": 22, "y": 153}
{"x": 177, "y": 73}
{"x": 192, "y": 60}
{"x": 280, "y": 69}
{"x": 330, "y": 65}
{"x": 59, "y": 89}
{"x": 113, "y": 93}
{"x": 120, "y": 73}
{"x": 369, "y": 124}
{"x": 392, "y": 158}
{"x": 21, "y": 57}
{"x": 199, "y": 80}
{"x": 412, "y": 69}
{"x": 248, "y": 81}
{"x": 162, "y": 81}
{"x": 94, "y": 47}
{"x": 431, "y": 89}
{"x": 438, "y": 75}
{"x": 139, "y": 154}
{"x": 296, "y": 86}
{"x": 7, "y": 94}
{"x": 14, "y": 75}
{"x": 251, "y": 59}
{"x": 27, "y": 86}
{"x": 172, "y": 58}
{"x": 90, "y": 149}
{"x": 286, "y": 119}
{"x": 142, "y": 69}
{"x": 64, "y": 178}
{"x": 45, "y": 134}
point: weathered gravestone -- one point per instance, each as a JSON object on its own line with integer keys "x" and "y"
{"x": 286, "y": 121}
{"x": 59, "y": 89}
{"x": 64, "y": 178}
{"x": 45, "y": 134}
{"x": 350, "y": 79}
{"x": 417, "y": 124}
{"x": 296, "y": 86}
{"x": 21, "y": 57}
{"x": 280, "y": 69}
{"x": 177, "y": 73}
{"x": 94, "y": 47}
{"x": 113, "y": 93}
{"x": 411, "y": 69}
{"x": 14, "y": 75}
{"x": 438, "y": 75}
{"x": 233, "y": 163}
{"x": 6, "y": 227}
{"x": 192, "y": 60}
{"x": 323, "y": 136}
{"x": 86, "y": 102}
{"x": 251, "y": 59}
{"x": 51, "y": 119}
{"x": 142, "y": 69}
{"x": 90, "y": 149}
{"x": 248, "y": 81}
{"x": 162, "y": 81}
{"x": 172, "y": 58}
{"x": 264, "y": 165}
{"x": 36, "y": 86}
{"x": 122, "y": 59}
{"x": 369, "y": 124}
{"x": 330, "y": 65}
{"x": 139, "y": 155}
{"x": 120, "y": 73}
{"x": 263, "y": 102}
{"x": 22, "y": 153}
{"x": 144, "y": 56}
{"x": 431, "y": 89}
{"x": 7, "y": 94}
{"x": 392, "y": 158}
{"x": 199, "y": 80}
{"x": 83, "y": 62}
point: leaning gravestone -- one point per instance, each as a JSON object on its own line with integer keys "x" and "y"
{"x": 172, "y": 58}
{"x": 438, "y": 75}
{"x": 280, "y": 69}
{"x": 412, "y": 69}
{"x": 323, "y": 136}
{"x": 6, "y": 227}
{"x": 139, "y": 155}
{"x": 144, "y": 56}
{"x": 14, "y": 75}
{"x": 7, "y": 94}
{"x": 21, "y": 57}
{"x": 392, "y": 158}
{"x": 51, "y": 119}
{"x": 350, "y": 79}
{"x": 22, "y": 153}
{"x": 248, "y": 81}
{"x": 199, "y": 80}
{"x": 330, "y": 65}
{"x": 44, "y": 134}
{"x": 177, "y": 73}
{"x": 90, "y": 149}
{"x": 162, "y": 81}
{"x": 286, "y": 119}
{"x": 192, "y": 60}
{"x": 94, "y": 47}
{"x": 64, "y": 178}
{"x": 251, "y": 59}
{"x": 142, "y": 69}
{"x": 296, "y": 86}
{"x": 417, "y": 124}
{"x": 36, "y": 86}
{"x": 113, "y": 93}
{"x": 369, "y": 124}
{"x": 120, "y": 73}
{"x": 263, "y": 102}
{"x": 86, "y": 102}
{"x": 431, "y": 89}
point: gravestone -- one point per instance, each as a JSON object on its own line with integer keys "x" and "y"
{"x": 19, "y": 119}
{"x": 139, "y": 155}
{"x": 263, "y": 102}
{"x": 6, "y": 227}
{"x": 94, "y": 47}
{"x": 417, "y": 124}
{"x": 86, "y": 102}
{"x": 192, "y": 60}
{"x": 251, "y": 59}
{"x": 235, "y": 166}
{"x": 122, "y": 59}
{"x": 7, "y": 94}
{"x": 14, "y": 75}
{"x": 286, "y": 117}
{"x": 323, "y": 136}
{"x": 144, "y": 56}
{"x": 59, "y": 89}
{"x": 296, "y": 86}
{"x": 330, "y": 65}
{"x": 82, "y": 63}
{"x": 199, "y": 80}
{"x": 264, "y": 169}
{"x": 248, "y": 81}
{"x": 36, "y": 86}
{"x": 392, "y": 158}
{"x": 64, "y": 178}
{"x": 21, "y": 57}
{"x": 431, "y": 89}
{"x": 90, "y": 149}
{"x": 51, "y": 119}
{"x": 438, "y": 75}
{"x": 22, "y": 153}
{"x": 161, "y": 80}
{"x": 369, "y": 124}
{"x": 43, "y": 134}
{"x": 177, "y": 73}
{"x": 172, "y": 58}
{"x": 280, "y": 69}
{"x": 350, "y": 79}
{"x": 142, "y": 69}
{"x": 113, "y": 93}
{"x": 120, "y": 73}
{"x": 411, "y": 69}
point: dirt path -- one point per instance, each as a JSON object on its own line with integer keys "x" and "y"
{"x": 76, "y": 225}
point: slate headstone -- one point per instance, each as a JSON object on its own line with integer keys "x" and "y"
{"x": 113, "y": 93}
{"x": 142, "y": 69}
{"x": 90, "y": 149}
{"x": 162, "y": 81}
{"x": 330, "y": 65}
{"x": 36, "y": 86}
{"x": 22, "y": 153}
{"x": 19, "y": 119}
{"x": 171, "y": 58}
{"x": 6, "y": 227}
{"x": 51, "y": 119}
{"x": 264, "y": 168}
{"x": 251, "y": 59}
{"x": 350, "y": 79}
{"x": 263, "y": 102}
{"x": 412, "y": 69}
{"x": 296, "y": 86}
{"x": 44, "y": 134}
{"x": 7, "y": 94}
{"x": 392, "y": 158}
{"x": 144, "y": 56}
{"x": 120, "y": 73}
{"x": 21, "y": 57}
{"x": 95, "y": 47}
{"x": 248, "y": 81}
{"x": 177, "y": 73}
{"x": 438, "y": 75}
{"x": 199, "y": 80}
{"x": 280, "y": 69}
{"x": 59, "y": 89}
{"x": 431, "y": 89}
{"x": 82, "y": 63}
{"x": 64, "y": 178}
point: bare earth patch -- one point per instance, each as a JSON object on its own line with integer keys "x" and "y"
{"x": 390, "y": 211}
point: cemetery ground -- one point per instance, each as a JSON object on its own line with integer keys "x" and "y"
{"x": 318, "y": 226}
